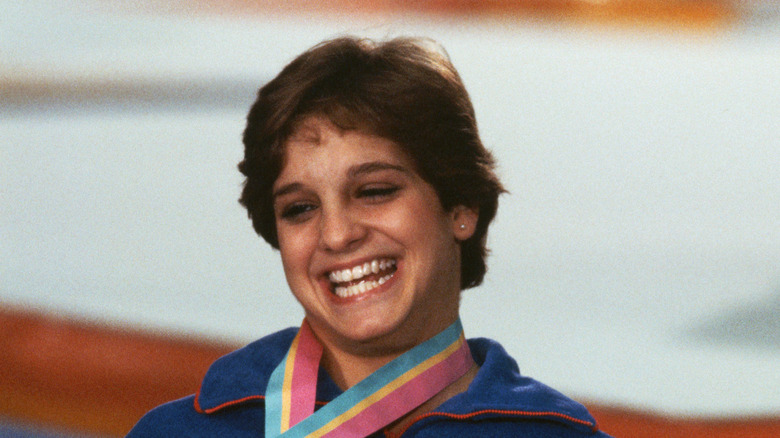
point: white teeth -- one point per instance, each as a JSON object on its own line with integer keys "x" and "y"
{"x": 360, "y": 271}
{"x": 362, "y": 287}
{"x": 346, "y": 275}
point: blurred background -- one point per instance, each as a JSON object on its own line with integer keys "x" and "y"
{"x": 635, "y": 264}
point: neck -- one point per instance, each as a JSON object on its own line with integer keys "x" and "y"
{"x": 348, "y": 369}
{"x": 349, "y": 363}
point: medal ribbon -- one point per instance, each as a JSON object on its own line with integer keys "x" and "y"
{"x": 376, "y": 401}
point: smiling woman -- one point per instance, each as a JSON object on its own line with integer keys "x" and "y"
{"x": 365, "y": 169}
{"x": 368, "y": 208}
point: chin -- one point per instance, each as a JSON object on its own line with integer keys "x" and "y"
{"x": 377, "y": 337}
{"x": 367, "y": 332}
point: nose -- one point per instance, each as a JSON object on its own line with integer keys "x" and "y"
{"x": 340, "y": 231}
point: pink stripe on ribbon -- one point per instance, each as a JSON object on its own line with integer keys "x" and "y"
{"x": 305, "y": 368}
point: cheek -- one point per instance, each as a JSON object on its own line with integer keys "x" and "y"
{"x": 295, "y": 266}
{"x": 399, "y": 223}
{"x": 429, "y": 218}
{"x": 294, "y": 251}
{"x": 416, "y": 224}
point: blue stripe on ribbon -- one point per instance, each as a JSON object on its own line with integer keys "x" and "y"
{"x": 273, "y": 401}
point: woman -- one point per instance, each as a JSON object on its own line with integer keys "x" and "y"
{"x": 364, "y": 168}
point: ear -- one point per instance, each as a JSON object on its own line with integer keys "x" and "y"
{"x": 464, "y": 221}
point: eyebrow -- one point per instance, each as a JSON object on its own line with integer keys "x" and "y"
{"x": 353, "y": 172}
{"x": 374, "y": 166}
{"x": 285, "y": 189}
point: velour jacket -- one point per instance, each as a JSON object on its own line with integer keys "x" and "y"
{"x": 498, "y": 403}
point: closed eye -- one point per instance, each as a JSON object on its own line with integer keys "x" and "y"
{"x": 377, "y": 192}
{"x": 296, "y": 212}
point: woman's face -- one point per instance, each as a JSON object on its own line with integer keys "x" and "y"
{"x": 366, "y": 246}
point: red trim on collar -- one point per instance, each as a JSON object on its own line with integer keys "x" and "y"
{"x": 199, "y": 409}
{"x": 223, "y": 405}
{"x": 594, "y": 427}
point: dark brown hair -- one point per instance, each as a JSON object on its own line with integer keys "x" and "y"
{"x": 405, "y": 90}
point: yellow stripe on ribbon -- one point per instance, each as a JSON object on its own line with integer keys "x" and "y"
{"x": 287, "y": 385}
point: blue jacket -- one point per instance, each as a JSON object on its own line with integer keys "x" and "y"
{"x": 498, "y": 403}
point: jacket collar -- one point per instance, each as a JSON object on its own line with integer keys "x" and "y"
{"x": 242, "y": 376}
{"x": 497, "y": 390}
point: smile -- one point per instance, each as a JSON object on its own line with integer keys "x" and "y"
{"x": 361, "y": 278}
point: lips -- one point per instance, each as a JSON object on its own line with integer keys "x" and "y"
{"x": 361, "y": 278}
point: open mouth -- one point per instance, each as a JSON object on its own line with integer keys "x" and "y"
{"x": 360, "y": 279}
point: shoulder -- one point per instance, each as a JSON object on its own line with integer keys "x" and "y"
{"x": 229, "y": 395}
{"x": 176, "y": 418}
{"x": 497, "y": 428}
{"x": 179, "y": 419}
{"x": 502, "y": 402}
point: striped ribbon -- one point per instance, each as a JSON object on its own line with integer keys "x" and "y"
{"x": 376, "y": 401}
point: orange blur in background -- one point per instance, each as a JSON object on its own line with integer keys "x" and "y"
{"x": 81, "y": 377}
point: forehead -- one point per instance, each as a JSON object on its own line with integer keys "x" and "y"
{"x": 317, "y": 142}
{"x": 310, "y": 130}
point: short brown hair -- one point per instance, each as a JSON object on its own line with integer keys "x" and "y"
{"x": 405, "y": 90}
